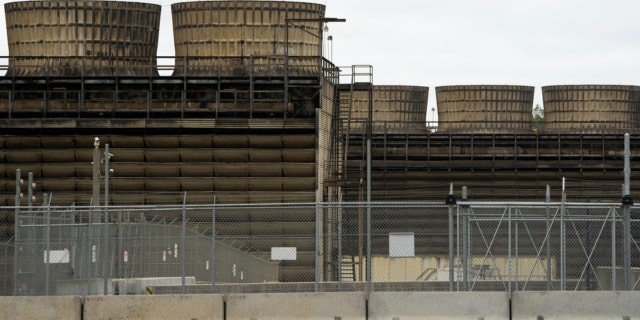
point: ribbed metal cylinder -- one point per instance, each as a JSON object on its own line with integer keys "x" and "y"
{"x": 396, "y": 109}
{"x": 484, "y": 109}
{"x": 591, "y": 108}
{"x": 91, "y": 38}
{"x": 234, "y": 38}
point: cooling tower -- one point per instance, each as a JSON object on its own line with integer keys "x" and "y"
{"x": 482, "y": 109}
{"x": 591, "y": 108}
{"x": 236, "y": 38}
{"x": 89, "y": 38}
{"x": 396, "y": 109}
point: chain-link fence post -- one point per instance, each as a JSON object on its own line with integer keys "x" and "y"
{"x": 509, "y": 246}
{"x": 563, "y": 244}
{"x": 466, "y": 258}
{"x": 90, "y": 248}
{"x": 627, "y": 247}
{"x": 627, "y": 201}
{"x": 316, "y": 255}
{"x": 16, "y": 234}
{"x": 183, "y": 237}
{"x": 548, "y": 236}
{"x": 340, "y": 225}
{"x": 105, "y": 249}
{"x": 613, "y": 250}
{"x": 48, "y": 248}
{"x": 451, "y": 201}
{"x": 212, "y": 264}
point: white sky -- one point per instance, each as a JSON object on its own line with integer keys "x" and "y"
{"x": 448, "y": 42}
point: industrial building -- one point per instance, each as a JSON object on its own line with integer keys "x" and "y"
{"x": 253, "y": 113}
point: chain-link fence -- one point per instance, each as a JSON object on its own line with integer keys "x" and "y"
{"x": 547, "y": 247}
{"x": 468, "y": 246}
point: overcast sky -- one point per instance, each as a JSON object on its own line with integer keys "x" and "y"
{"x": 448, "y": 42}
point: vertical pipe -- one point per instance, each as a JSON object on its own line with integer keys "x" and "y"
{"x": 548, "y": 218}
{"x": 317, "y": 248}
{"x": 48, "y": 249}
{"x": 16, "y": 234}
{"x": 212, "y": 265}
{"x": 105, "y": 245}
{"x": 183, "y": 255}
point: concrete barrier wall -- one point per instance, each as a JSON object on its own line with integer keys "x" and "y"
{"x": 201, "y": 307}
{"x": 62, "y": 307}
{"x": 576, "y": 305}
{"x": 321, "y": 305}
{"x": 332, "y": 305}
{"x": 438, "y": 305}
